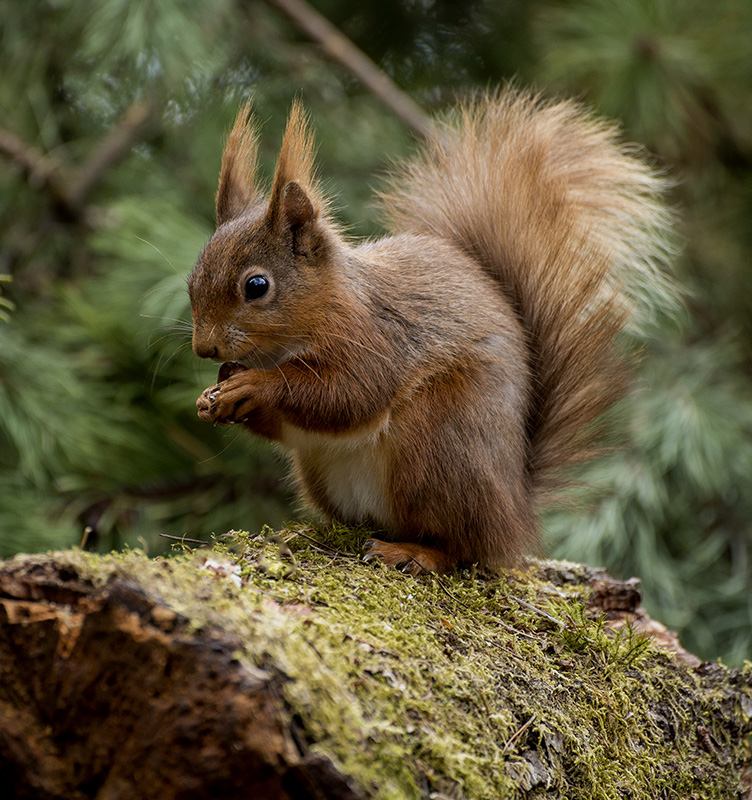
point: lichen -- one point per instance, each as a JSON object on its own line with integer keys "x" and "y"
{"x": 471, "y": 686}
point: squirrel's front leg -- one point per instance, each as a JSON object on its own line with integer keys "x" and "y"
{"x": 309, "y": 395}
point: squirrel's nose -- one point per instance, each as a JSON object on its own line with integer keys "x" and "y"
{"x": 205, "y": 352}
{"x": 204, "y": 349}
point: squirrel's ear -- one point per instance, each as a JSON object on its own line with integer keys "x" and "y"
{"x": 295, "y": 203}
{"x": 237, "y": 178}
{"x": 298, "y": 216}
{"x": 297, "y": 207}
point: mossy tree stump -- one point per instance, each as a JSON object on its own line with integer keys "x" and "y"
{"x": 280, "y": 666}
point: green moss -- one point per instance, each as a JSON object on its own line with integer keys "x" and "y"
{"x": 472, "y": 685}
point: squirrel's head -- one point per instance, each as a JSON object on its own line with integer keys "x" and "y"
{"x": 253, "y": 286}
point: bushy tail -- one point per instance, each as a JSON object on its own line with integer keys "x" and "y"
{"x": 571, "y": 223}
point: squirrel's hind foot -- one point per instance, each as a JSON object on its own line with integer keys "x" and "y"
{"x": 414, "y": 559}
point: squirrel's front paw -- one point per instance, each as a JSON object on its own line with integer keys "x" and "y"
{"x": 206, "y": 405}
{"x": 225, "y": 403}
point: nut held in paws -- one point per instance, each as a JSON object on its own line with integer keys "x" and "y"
{"x": 229, "y": 369}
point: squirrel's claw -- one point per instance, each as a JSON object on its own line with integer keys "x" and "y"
{"x": 205, "y": 403}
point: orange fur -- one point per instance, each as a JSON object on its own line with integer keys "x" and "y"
{"x": 433, "y": 383}
{"x": 237, "y": 187}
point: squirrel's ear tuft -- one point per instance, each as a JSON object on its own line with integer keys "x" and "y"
{"x": 296, "y": 156}
{"x": 237, "y": 178}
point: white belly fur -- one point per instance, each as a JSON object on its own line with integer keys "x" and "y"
{"x": 353, "y": 467}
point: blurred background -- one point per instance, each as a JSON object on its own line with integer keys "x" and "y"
{"x": 113, "y": 119}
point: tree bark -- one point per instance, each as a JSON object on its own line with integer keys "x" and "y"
{"x": 114, "y": 682}
{"x": 106, "y": 693}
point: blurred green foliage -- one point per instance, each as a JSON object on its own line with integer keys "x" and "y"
{"x": 97, "y": 381}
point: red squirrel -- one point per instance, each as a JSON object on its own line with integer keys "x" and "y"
{"x": 432, "y": 383}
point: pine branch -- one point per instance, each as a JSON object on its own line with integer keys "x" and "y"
{"x": 39, "y": 168}
{"x": 341, "y": 49}
{"x": 71, "y": 193}
{"x": 111, "y": 150}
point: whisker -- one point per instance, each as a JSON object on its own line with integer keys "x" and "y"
{"x": 298, "y": 360}
{"x": 169, "y": 335}
{"x": 292, "y": 355}
{"x": 154, "y": 247}
{"x": 304, "y": 336}
{"x": 163, "y": 360}
{"x": 230, "y": 442}
{"x": 167, "y": 319}
{"x": 284, "y": 377}
{"x": 356, "y": 343}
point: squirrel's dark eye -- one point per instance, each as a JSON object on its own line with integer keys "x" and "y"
{"x": 256, "y": 286}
